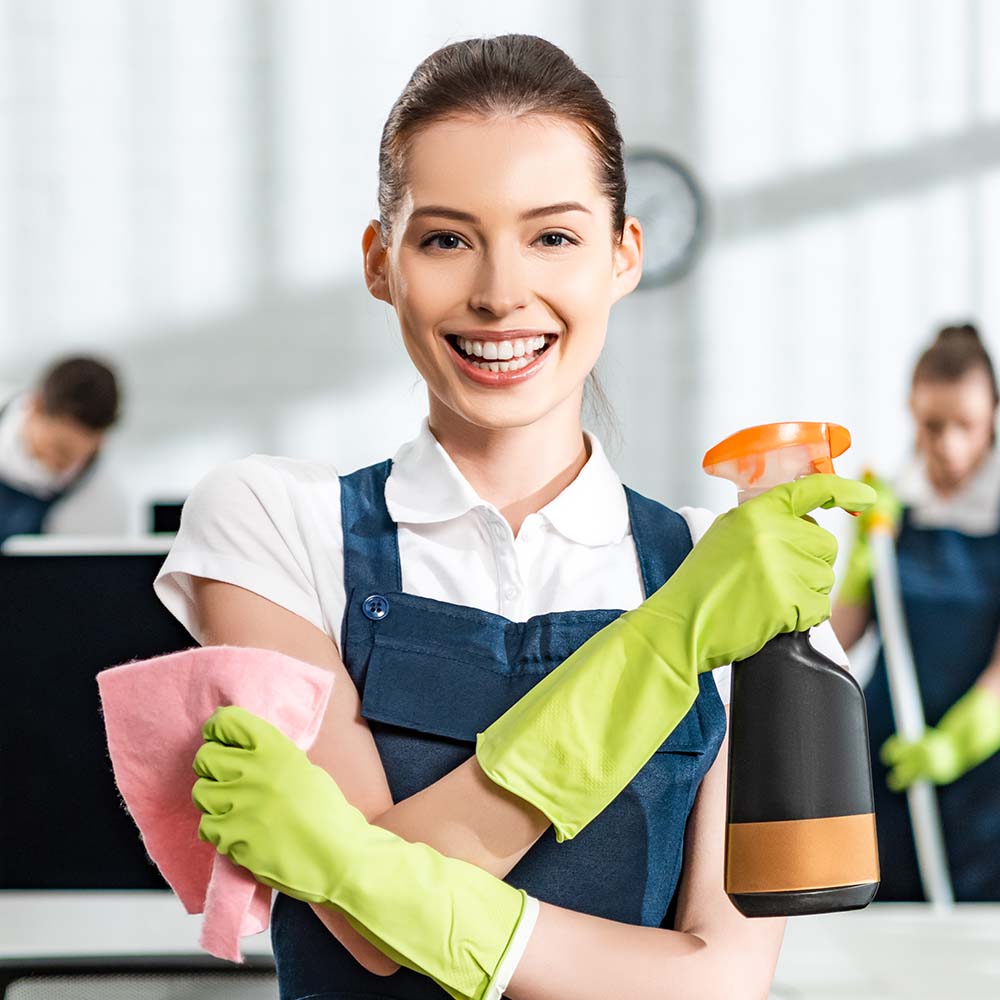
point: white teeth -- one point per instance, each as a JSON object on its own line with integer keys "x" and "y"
{"x": 502, "y": 355}
{"x": 501, "y": 350}
{"x": 503, "y": 366}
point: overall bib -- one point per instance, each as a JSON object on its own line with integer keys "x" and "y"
{"x": 950, "y": 586}
{"x": 431, "y": 675}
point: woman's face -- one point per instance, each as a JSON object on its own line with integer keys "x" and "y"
{"x": 61, "y": 444}
{"x": 955, "y": 423}
{"x": 502, "y": 266}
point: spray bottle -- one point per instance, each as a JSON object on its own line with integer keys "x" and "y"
{"x": 800, "y": 835}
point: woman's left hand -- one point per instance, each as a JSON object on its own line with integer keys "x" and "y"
{"x": 967, "y": 734}
{"x": 269, "y": 808}
{"x": 931, "y": 758}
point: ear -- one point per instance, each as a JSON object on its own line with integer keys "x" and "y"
{"x": 627, "y": 259}
{"x": 376, "y": 258}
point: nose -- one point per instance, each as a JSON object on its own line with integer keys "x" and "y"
{"x": 500, "y": 285}
{"x": 951, "y": 447}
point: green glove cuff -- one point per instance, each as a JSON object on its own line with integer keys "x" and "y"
{"x": 580, "y": 735}
{"x": 973, "y": 725}
{"x": 442, "y": 917}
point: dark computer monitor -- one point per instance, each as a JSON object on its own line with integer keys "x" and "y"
{"x": 165, "y": 515}
{"x": 64, "y": 618}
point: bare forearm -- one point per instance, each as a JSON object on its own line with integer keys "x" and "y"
{"x": 589, "y": 958}
{"x": 464, "y": 815}
{"x": 849, "y": 621}
{"x": 990, "y": 677}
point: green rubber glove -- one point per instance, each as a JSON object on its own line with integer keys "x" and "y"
{"x": 271, "y": 810}
{"x": 855, "y": 587}
{"x": 577, "y": 738}
{"x": 968, "y": 734}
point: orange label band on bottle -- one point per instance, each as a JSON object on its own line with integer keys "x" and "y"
{"x": 799, "y": 854}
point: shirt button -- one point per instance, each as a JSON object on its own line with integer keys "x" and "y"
{"x": 510, "y": 593}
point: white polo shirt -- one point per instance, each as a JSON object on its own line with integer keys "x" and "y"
{"x": 972, "y": 510}
{"x": 272, "y": 525}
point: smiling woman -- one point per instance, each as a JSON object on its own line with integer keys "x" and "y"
{"x": 468, "y": 596}
{"x": 506, "y": 218}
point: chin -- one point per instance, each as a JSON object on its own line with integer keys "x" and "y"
{"x": 502, "y": 413}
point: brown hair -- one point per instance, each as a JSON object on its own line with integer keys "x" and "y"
{"x": 516, "y": 75}
{"x": 956, "y": 351}
{"x": 83, "y": 389}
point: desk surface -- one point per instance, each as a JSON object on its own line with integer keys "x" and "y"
{"x": 887, "y": 951}
{"x": 892, "y": 950}
{"x": 112, "y": 922}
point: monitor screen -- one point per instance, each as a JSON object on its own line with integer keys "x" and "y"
{"x": 165, "y": 515}
{"x": 66, "y": 617}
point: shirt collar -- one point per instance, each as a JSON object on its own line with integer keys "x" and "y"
{"x": 425, "y": 486}
{"x": 974, "y": 510}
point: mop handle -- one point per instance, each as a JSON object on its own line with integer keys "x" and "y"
{"x": 907, "y": 710}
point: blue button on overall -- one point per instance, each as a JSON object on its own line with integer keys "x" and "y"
{"x": 375, "y": 607}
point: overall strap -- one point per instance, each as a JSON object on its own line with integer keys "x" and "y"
{"x": 662, "y": 539}
{"x": 371, "y": 550}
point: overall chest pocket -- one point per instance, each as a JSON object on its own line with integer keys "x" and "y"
{"x": 426, "y": 706}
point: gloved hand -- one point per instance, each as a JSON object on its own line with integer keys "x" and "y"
{"x": 272, "y": 811}
{"x": 968, "y": 733}
{"x": 855, "y": 587}
{"x": 577, "y": 738}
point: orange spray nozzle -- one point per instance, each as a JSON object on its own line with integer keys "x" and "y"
{"x": 757, "y": 458}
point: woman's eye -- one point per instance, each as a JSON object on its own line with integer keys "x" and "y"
{"x": 453, "y": 241}
{"x": 557, "y": 240}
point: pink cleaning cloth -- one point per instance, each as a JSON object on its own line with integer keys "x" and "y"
{"x": 153, "y": 713}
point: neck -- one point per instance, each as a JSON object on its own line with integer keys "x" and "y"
{"x": 517, "y": 469}
{"x": 946, "y": 489}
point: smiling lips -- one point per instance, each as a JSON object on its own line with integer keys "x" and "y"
{"x": 500, "y": 362}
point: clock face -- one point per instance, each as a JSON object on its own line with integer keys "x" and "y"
{"x": 664, "y": 196}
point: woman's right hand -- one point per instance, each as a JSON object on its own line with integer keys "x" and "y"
{"x": 760, "y": 569}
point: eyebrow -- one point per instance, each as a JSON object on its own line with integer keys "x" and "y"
{"x": 442, "y": 211}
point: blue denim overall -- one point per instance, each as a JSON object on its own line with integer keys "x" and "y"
{"x": 433, "y": 674}
{"x": 950, "y": 584}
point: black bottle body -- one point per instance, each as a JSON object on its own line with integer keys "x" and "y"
{"x": 800, "y": 835}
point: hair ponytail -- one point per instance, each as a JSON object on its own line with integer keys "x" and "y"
{"x": 956, "y": 351}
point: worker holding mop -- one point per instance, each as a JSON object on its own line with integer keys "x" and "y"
{"x": 946, "y": 504}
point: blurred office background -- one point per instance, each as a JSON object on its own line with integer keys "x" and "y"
{"x": 183, "y": 187}
{"x": 184, "y": 184}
